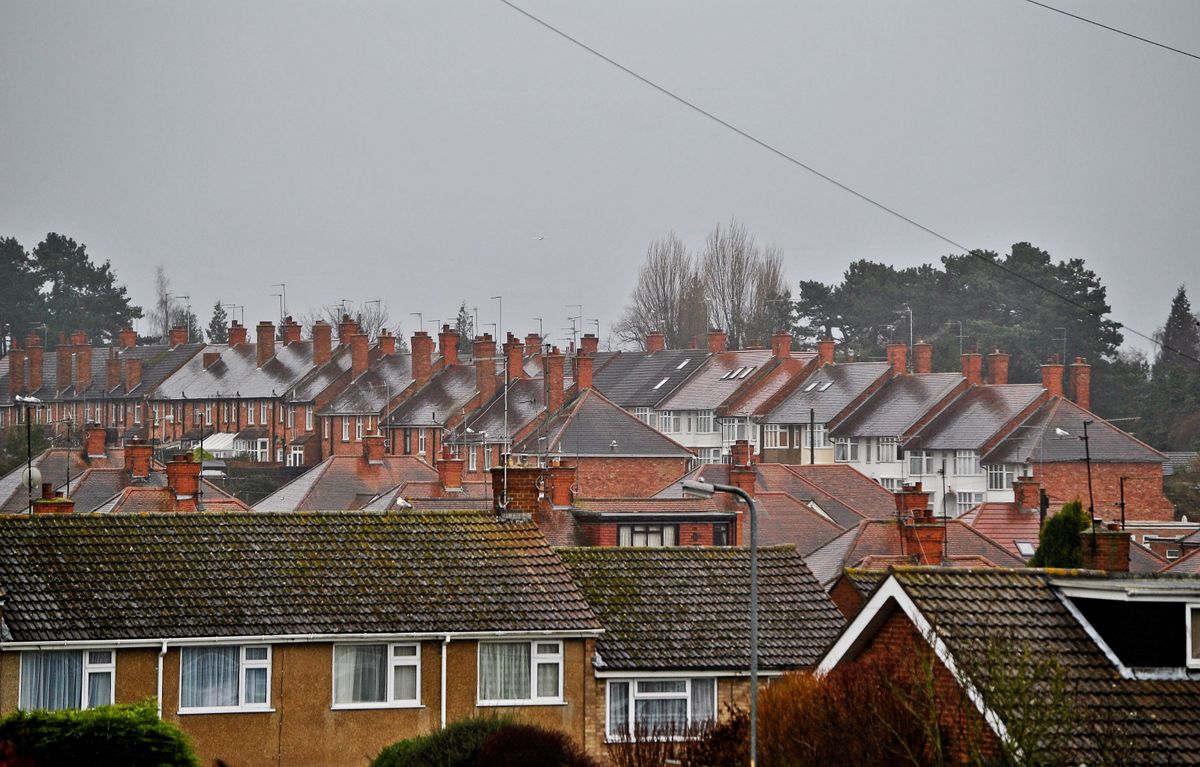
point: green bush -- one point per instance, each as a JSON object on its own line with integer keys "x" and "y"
{"x": 109, "y": 736}
{"x": 524, "y": 745}
{"x": 456, "y": 746}
{"x": 1059, "y": 545}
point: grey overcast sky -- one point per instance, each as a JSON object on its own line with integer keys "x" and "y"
{"x": 414, "y": 151}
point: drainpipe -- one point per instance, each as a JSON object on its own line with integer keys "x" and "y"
{"x": 162, "y": 652}
{"x": 445, "y": 642}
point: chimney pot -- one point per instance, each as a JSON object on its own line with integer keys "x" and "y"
{"x": 589, "y": 344}
{"x": 237, "y": 334}
{"x": 291, "y": 331}
{"x": 386, "y": 343}
{"x": 346, "y": 328}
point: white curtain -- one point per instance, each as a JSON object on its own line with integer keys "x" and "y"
{"x": 618, "y": 709}
{"x": 51, "y": 680}
{"x": 504, "y": 671}
{"x": 704, "y": 701}
{"x": 661, "y": 717}
{"x": 210, "y": 677}
{"x": 359, "y": 673}
{"x": 99, "y": 688}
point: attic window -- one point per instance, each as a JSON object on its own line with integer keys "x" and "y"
{"x": 660, "y": 383}
{"x": 745, "y": 372}
{"x": 825, "y": 386}
{"x": 812, "y": 386}
{"x": 682, "y": 365}
{"x": 1026, "y": 548}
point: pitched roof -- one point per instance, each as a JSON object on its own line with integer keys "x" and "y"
{"x": 55, "y": 464}
{"x": 158, "y": 362}
{"x": 1037, "y": 439}
{"x": 200, "y": 575}
{"x": 371, "y": 392}
{"x": 237, "y": 373}
{"x": 644, "y": 379}
{"x": 526, "y": 401}
{"x": 898, "y": 405}
{"x": 688, "y": 608}
{"x": 344, "y": 482}
{"x": 590, "y": 424}
{"x": 828, "y": 391}
{"x": 445, "y": 395}
{"x": 1153, "y": 719}
{"x": 976, "y": 417}
{"x": 720, "y": 378}
{"x": 779, "y": 374}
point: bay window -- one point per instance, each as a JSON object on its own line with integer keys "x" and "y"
{"x": 966, "y": 462}
{"x": 646, "y": 416}
{"x": 887, "y": 449}
{"x": 61, "y": 679}
{"x": 1000, "y": 476}
{"x": 225, "y": 677}
{"x": 520, "y": 672}
{"x": 668, "y": 422}
{"x": 920, "y": 462}
{"x": 376, "y": 675}
{"x": 845, "y": 449}
{"x": 659, "y": 708}
{"x": 774, "y": 435}
{"x": 704, "y": 422}
{"x": 819, "y": 436}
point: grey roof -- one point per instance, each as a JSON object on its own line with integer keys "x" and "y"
{"x": 158, "y": 362}
{"x": 446, "y": 394}
{"x": 975, "y": 417}
{"x": 644, "y": 379}
{"x": 71, "y": 577}
{"x": 687, "y": 608}
{"x": 897, "y": 405}
{"x": 828, "y": 391}
{"x": 55, "y": 464}
{"x": 1037, "y": 439}
{"x": 590, "y": 424}
{"x": 722, "y": 375}
{"x": 526, "y": 401}
{"x": 345, "y": 482}
{"x": 1179, "y": 461}
{"x": 371, "y": 392}
{"x": 236, "y": 373}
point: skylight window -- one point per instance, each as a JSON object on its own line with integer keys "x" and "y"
{"x": 660, "y": 383}
{"x": 811, "y": 386}
{"x": 682, "y": 365}
{"x": 745, "y": 372}
{"x": 1026, "y": 548}
{"x": 825, "y": 386}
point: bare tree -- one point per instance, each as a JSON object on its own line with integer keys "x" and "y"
{"x": 740, "y": 280}
{"x": 668, "y": 297}
{"x": 163, "y": 312}
{"x": 372, "y": 318}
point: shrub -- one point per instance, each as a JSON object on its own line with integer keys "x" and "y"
{"x": 109, "y": 736}
{"x": 1059, "y": 545}
{"x": 456, "y": 746}
{"x": 726, "y": 742}
{"x": 524, "y": 745}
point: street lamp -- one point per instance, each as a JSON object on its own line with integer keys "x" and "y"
{"x": 696, "y": 489}
{"x": 30, "y": 476}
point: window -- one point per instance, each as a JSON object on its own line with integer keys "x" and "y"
{"x": 733, "y": 429}
{"x": 421, "y": 441}
{"x": 472, "y": 459}
{"x": 279, "y": 455}
{"x": 487, "y": 457}
{"x": 646, "y": 416}
{"x": 249, "y": 413}
{"x": 845, "y": 449}
{"x": 820, "y": 437}
{"x": 358, "y": 428}
{"x": 966, "y": 462}
{"x": 345, "y": 429}
{"x": 263, "y": 413}
{"x": 1026, "y": 548}
{"x": 968, "y": 501}
{"x": 60, "y": 679}
{"x": 296, "y": 456}
{"x": 224, "y": 412}
{"x": 892, "y": 484}
{"x": 291, "y": 416}
{"x": 208, "y": 410}
{"x": 720, "y": 534}
{"x": 642, "y": 536}
{"x": 1193, "y": 634}
{"x": 521, "y": 672}
{"x": 225, "y": 677}
{"x": 659, "y": 708}
{"x": 1000, "y": 476}
{"x": 137, "y": 412}
{"x": 668, "y": 421}
{"x": 369, "y": 675}
{"x": 920, "y": 462}
{"x": 308, "y": 418}
{"x": 774, "y": 435}
{"x": 887, "y": 449}
{"x": 704, "y": 422}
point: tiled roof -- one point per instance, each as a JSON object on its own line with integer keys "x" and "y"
{"x": 1153, "y": 720}
{"x": 975, "y": 417}
{"x": 1188, "y": 564}
{"x": 783, "y": 519}
{"x": 54, "y": 465}
{"x": 158, "y": 362}
{"x": 200, "y": 575}
{"x": 445, "y": 395}
{"x": 720, "y": 378}
{"x": 688, "y": 608}
{"x": 526, "y": 401}
{"x": 236, "y": 373}
{"x": 345, "y": 482}
{"x": 828, "y": 392}
{"x": 644, "y": 379}
{"x": 1037, "y": 439}
{"x": 370, "y": 393}
{"x": 647, "y": 505}
{"x": 1178, "y": 461}
{"x": 590, "y": 424}
{"x": 899, "y": 403}
{"x": 849, "y": 486}
{"x": 780, "y": 374}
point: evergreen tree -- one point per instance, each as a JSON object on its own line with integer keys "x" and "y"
{"x": 464, "y": 325}
{"x": 21, "y": 305}
{"x": 1172, "y": 409}
{"x": 1059, "y": 544}
{"x": 79, "y": 294}
{"x": 218, "y": 326}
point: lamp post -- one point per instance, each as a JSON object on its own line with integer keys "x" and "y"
{"x": 697, "y": 489}
{"x": 27, "y": 401}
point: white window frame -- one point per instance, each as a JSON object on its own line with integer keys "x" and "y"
{"x": 358, "y": 428}
{"x": 887, "y": 450}
{"x": 472, "y": 459}
{"x": 244, "y": 664}
{"x": 421, "y": 441}
{"x": 308, "y": 417}
{"x": 208, "y": 412}
{"x": 774, "y": 435}
{"x": 345, "y": 429}
{"x": 926, "y": 459}
{"x": 647, "y": 536}
{"x": 264, "y": 414}
{"x": 296, "y": 456}
{"x": 704, "y": 422}
{"x": 821, "y": 433}
{"x": 974, "y": 499}
{"x": 646, "y": 415}
{"x": 845, "y": 450}
{"x": 249, "y": 413}
{"x": 291, "y": 416}
{"x": 635, "y": 695}
{"x": 88, "y": 670}
{"x": 966, "y": 463}
{"x": 393, "y": 662}
{"x": 669, "y": 421}
{"x": 1000, "y": 476}
{"x": 535, "y": 659}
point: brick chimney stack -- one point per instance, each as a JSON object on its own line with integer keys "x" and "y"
{"x": 127, "y": 338}
{"x": 266, "y": 341}
{"x": 386, "y": 343}
{"x": 358, "y": 355}
{"x": 52, "y": 502}
{"x": 183, "y": 477}
{"x": 972, "y": 368}
{"x": 1081, "y": 383}
{"x": 1052, "y": 376}
{"x": 83, "y": 361}
{"x": 825, "y": 349}
{"x": 583, "y": 370}
{"x": 514, "y": 353}
{"x": 1026, "y": 493}
{"x": 1105, "y": 549}
{"x": 208, "y": 359}
{"x": 94, "y": 440}
{"x": 553, "y": 380}
{"x": 137, "y": 459}
{"x": 179, "y": 335}
{"x": 922, "y": 537}
{"x": 922, "y": 357}
{"x": 741, "y": 470}
{"x": 656, "y": 342}
{"x": 897, "y": 357}
{"x": 16, "y": 370}
{"x": 781, "y": 345}
{"x": 291, "y": 331}
{"x": 346, "y": 328}
{"x": 589, "y": 344}
{"x": 484, "y": 352}
{"x": 237, "y": 334}
{"x": 373, "y": 445}
{"x": 322, "y": 338}
{"x": 997, "y": 368}
{"x": 448, "y": 346}
{"x": 112, "y": 370}
{"x": 62, "y": 363}
{"x": 422, "y": 357}
{"x": 33, "y": 345}
{"x": 450, "y": 472}
{"x": 533, "y": 343}
{"x": 716, "y": 340}
{"x": 133, "y": 374}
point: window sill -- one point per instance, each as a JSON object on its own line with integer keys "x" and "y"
{"x": 373, "y": 706}
{"x": 225, "y": 710}
{"x": 511, "y": 703}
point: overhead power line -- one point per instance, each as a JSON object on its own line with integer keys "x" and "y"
{"x": 831, "y": 180}
{"x": 1112, "y": 29}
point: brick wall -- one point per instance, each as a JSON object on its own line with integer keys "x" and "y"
{"x": 846, "y": 596}
{"x": 1144, "y": 498}
{"x": 619, "y": 477}
{"x": 605, "y": 533}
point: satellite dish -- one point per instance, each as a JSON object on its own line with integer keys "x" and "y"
{"x": 32, "y": 478}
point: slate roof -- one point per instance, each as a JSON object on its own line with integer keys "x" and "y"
{"x": 975, "y": 417}
{"x": 687, "y": 609}
{"x": 636, "y": 379}
{"x": 589, "y": 424}
{"x": 345, "y": 482}
{"x": 897, "y": 405}
{"x": 445, "y": 395}
{"x": 371, "y": 392}
{"x": 53, "y": 464}
{"x": 828, "y": 391}
{"x": 1179, "y": 461}
{"x": 72, "y": 577}
{"x": 158, "y": 362}
{"x": 1138, "y": 721}
{"x": 719, "y": 379}
{"x": 526, "y": 401}
{"x": 780, "y": 374}
{"x": 1188, "y": 564}
{"x": 1037, "y": 441}
{"x": 236, "y": 373}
